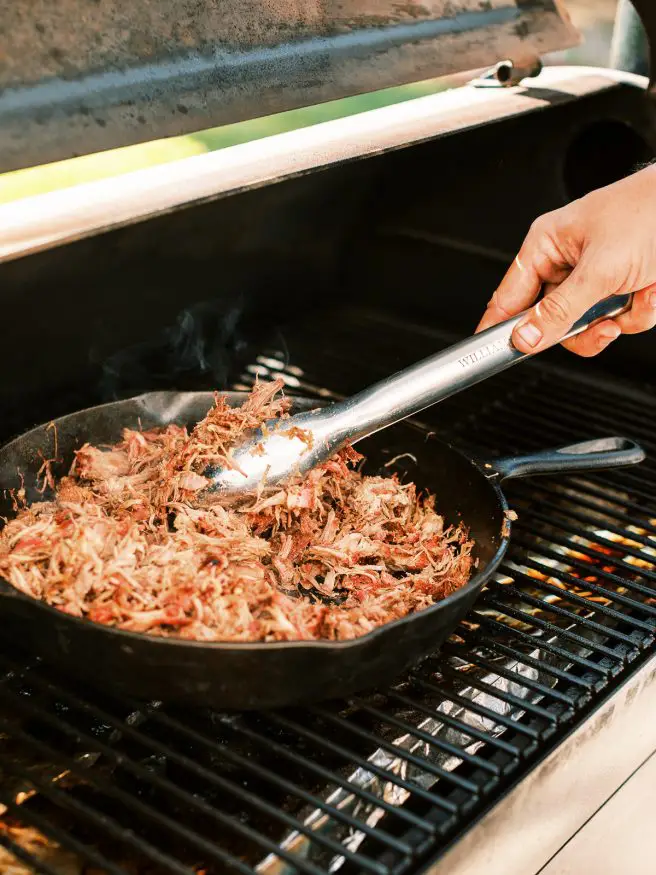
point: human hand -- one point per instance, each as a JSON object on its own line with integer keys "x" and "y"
{"x": 603, "y": 244}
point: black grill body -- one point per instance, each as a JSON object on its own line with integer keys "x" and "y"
{"x": 334, "y": 280}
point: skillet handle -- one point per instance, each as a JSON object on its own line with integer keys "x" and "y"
{"x": 609, "y": 452}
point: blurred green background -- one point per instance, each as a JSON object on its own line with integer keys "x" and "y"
{"x": 48, "y": 177}
{"x": 593, "y": 17}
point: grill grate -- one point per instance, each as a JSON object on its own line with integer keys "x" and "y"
{"x": 91, "y": 783}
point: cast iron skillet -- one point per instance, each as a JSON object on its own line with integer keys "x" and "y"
{"x": 260, "y": 675}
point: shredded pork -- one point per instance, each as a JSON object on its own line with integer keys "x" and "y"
{"x": 330, "y": 556}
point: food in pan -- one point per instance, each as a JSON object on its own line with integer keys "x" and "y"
{"x": 125, "y": 543}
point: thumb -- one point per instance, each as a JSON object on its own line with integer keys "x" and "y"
{"x": 552, "y": 317}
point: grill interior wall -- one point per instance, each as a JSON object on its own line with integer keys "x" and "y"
{"x": 372, "y": 231}
{"x": 451, "y": 215}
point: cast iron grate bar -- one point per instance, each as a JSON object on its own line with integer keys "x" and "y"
{"x": 591, "y": 512}
{"x": 109, "y": 825}
{"x": 327, "y": 776}
{"x": 293, "y": 789}
{"x": 590, "y": 487}
{"x": 526, "y": 495}
{"x": 496, "y": 627}
{"x": 610, "y": 481}
{"x": 602, "y": 498}
{"x": 482, "y": 711}
{"x": 549, "y": 553}
{"x": 567, "y": 634}
{"x": 421, "y": 763}
{"x": 61, "y": 837}
{"x": 472, "y": 732}
{"x": 558, "y": 611}
{"x": 349, "y": 756}
{"x": 24, "y": 856}
{"x": 480, "y": 641}
{"x": 574, "y": 532}
{"x": 572, "y": 597}
{"x": 594, "y": 554}
{"x": 429, "y": 740}
{"x": 376, "y": 783}
{"x": 340, "y": 723}
{"x": 184, "y": 796}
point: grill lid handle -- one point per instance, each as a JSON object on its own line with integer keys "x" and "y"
{"x": 133, "y": 72}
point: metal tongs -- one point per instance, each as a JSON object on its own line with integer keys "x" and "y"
{"x": 286, "y": 448}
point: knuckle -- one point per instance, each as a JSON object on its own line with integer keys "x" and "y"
{"x": 540, "y": 226}
{"x": 555, "y": 309}
{"x": 582, "y": 346}
{"x": 499, "y": 304}
{"x": 552, "y": 249}
{"x": 547, "y": 222}
{"x": 546, "y": 259}
{"x": 639, "y": 324}
{"x": 641, "y": 317}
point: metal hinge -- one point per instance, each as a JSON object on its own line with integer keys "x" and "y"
{"x": 505, "y": 74}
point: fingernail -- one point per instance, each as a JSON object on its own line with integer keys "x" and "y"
{"x": 529, "y": 333}
{"x": 651, "y": 300}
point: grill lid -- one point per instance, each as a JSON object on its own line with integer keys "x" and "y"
{"x": 79, "y": 77}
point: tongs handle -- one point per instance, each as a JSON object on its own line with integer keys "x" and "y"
{"x": 492, "y": 351}
{"x": 445, "y": 373}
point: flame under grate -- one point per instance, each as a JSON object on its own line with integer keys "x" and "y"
{"x": 376, "y": 784}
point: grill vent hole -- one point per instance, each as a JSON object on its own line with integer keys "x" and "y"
{"x": 602, "y": 153}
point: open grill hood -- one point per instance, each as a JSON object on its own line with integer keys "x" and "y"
{"x": 79, "y": 77}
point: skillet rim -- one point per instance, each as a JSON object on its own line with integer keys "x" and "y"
{"x": 125, "y": 636}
